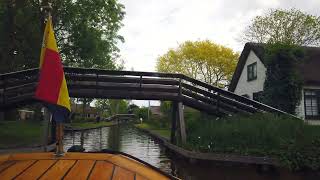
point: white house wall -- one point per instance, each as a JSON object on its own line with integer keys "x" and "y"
{"x": 250, "y": 87}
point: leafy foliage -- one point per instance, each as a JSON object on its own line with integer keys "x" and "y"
{"x": 21, "y": 34}
{"x": 283, "y": 84}
{"x": 132, "y": 107}
{"x": 286, "y": 26}
{"x": 141, "y": 112}
{"x": 203, "y": 60}
{"x": 290, "y": 140}
{"x": 154, "y": 129}
{"x": 86, "y": 32}
{"x": 112, "y": 106}
{"x": 166, "y": 108}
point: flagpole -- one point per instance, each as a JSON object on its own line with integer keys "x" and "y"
{"x": 59, "y": 125}
{"x": 59, "y": 145}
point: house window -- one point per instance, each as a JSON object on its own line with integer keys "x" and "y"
{"x": 252, "y": 71}
{"x": 311, "y": 103}
{"x": 257, "y": 96}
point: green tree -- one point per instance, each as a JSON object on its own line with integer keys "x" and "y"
{"x": 141, "y": 112}
{"x": 203, "y": 60}
{"x": 113, "y": 106}
{"x": 166, "y": 107}
{"x": 132, "y": 107}
{"x": 21, "y": 35}
{"x": 86, "y": 32}
{"x": 285, "y": 26}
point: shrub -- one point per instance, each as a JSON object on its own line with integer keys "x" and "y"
{"x": 83, "y": 119}
{"x": 295, "y": 143}
{"x": 141, "y": 112}
{"x": 159, "y": 122}
{"x": 283, "y": 84}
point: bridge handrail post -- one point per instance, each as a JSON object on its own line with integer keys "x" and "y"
{"x": 97, "y": 79}
{"x": 180, "y": 89}
{"x": 218, "y": 101}
{"x": 4, "y": 90}
{"x": 140, "y": 82}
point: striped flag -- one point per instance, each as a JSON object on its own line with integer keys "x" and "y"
{"x": 52, "y": 87}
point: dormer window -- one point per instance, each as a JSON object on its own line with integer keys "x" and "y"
{"x": 252, "y": 71}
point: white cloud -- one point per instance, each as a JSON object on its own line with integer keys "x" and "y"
{"x": 151, "y": 27}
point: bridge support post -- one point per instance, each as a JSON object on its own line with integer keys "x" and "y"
{"x": 46, "y": 121}
{"x": 182, "y": 126}
{"x": 1, "y": 115}
{"x": 178, "y": 119}
{"x": 173, "y": 138}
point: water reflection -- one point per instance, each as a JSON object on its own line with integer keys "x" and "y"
{"x": 125, "y": 139}
{"x": 129, "y": 140}
{"x": 114, "y": 138}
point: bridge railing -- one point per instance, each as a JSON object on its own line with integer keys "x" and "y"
{"x": 189, "y": 86}
{"x": 234, "y": 97}
{"x": 83, "y": 82}
{"x": 164, "y": 86}
{"x": 20, "y": 83}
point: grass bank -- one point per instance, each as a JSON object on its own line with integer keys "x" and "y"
{"x": 293, "y": 142}
{"x": 164, "y": 132}
{"x": 20, "y": 134}
{"x": 89, "y": 125}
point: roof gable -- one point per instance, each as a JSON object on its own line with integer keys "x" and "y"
{"x": 259, "y": 52}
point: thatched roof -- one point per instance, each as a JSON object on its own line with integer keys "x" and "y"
{"x": 310, "y": 69}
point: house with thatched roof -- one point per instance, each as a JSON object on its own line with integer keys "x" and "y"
{"x": 250, "y": 74}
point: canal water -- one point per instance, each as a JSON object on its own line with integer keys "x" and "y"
{"x": 128, "y": 139}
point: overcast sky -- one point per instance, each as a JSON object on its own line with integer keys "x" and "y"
{"x": 151, "y": 27}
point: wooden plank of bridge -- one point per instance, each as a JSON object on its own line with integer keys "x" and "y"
{"x": 201, "y": 106}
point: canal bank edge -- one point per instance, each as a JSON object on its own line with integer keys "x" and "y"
{"x": 228, "y": 158}
{"x": 70, "y": 128}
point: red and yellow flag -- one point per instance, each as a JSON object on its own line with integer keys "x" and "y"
{"x": 52, "y": 86}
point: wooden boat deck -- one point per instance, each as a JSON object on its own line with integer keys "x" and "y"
{"x": 74, "y": 166}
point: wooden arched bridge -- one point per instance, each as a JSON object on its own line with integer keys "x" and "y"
{"x": 17, "y": 89}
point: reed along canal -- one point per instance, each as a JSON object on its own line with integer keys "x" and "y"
{"x": 128, "y": 139}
